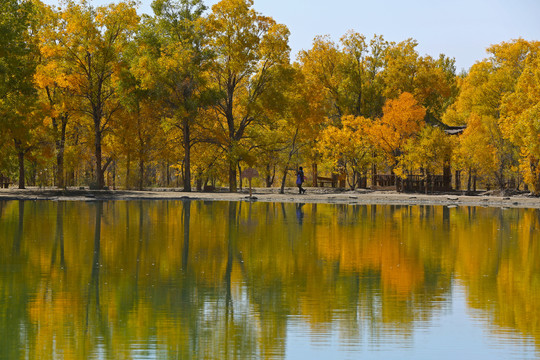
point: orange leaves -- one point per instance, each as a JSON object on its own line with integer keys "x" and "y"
{"x": 404, "y": 115}
{"x": 359, "y": 141}
{"x": 402, "y": 118}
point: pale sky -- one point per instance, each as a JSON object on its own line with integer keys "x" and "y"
{"x": 461, "y": 29}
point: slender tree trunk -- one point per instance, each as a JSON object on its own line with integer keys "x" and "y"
{"x": 114, "y": 175}
{"x": 33, "y": 173}
{"x": 60, "y": 181}
{"x": 373, "y": 176}
{"x": 168, "y": 171}
{"x": 232, "y": 176}
{"x": 60, "y": 150}
{"x": 284, "y": 179}
{"x": 100, "y": 179}
{"x": 270, "y": 178}
{"x": 141, "y": 174}
{"x": 240, "y": 180}
{"x": 21, "y": 170}
{"x": 187, "y": 156}
{"x": 534, "y": 168}
{"x": 469, "y": 178}
{"x": 291, "y": 153}
{"x": 128, "y": 169}
{"x": 232, "y": 137}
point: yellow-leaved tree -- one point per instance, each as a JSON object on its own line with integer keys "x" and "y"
{"x": 474, "y": 152}
{"x": 292, "y": 112}
{"x": 247, "y": 46}
{"x": 349, "y": 148}
{"x": 482, "y": 94}
{"x": 431, "y": 81}
{"x": 172, "y": 64}
{"x": 348, "y": 73}
{"x": 520, "y": 120}
{"x": 91, "y": 42}
{"x": 52, "y": 81}
{"x": 428, "y": 153}
{"x": 18, "y": 59}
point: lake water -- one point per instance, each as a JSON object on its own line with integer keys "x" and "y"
{"x": 230, "y": 280}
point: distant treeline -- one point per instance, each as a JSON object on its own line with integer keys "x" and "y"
{"x": 190, "y": 96}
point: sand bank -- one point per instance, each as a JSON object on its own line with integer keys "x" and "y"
{"x": 313, "y": 195}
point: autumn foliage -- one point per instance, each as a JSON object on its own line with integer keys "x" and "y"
{"x": 190, "y": 96}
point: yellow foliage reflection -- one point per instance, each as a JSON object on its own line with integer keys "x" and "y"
{"x": 228, "y": 280}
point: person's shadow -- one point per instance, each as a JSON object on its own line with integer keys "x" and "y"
{"x": 300, "y": 212}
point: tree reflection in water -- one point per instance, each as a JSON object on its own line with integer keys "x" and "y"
{"x": 190, "y": 279}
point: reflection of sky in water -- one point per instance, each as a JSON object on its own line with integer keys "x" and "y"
{"x": 455, "y": 333}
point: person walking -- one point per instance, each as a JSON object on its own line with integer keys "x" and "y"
{"x": 300, "y": 180}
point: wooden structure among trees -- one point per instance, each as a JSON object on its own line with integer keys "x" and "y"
{"x": 334, "y": 181}
{"x": 4, "y": 182}
{"x": 414, "y": 183}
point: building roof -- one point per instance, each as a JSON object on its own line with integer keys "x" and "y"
{"x": 454, "y": 130}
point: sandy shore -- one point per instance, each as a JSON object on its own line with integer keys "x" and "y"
{"x": 313, "y": 195}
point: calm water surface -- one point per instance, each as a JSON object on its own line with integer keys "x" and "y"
{"x": 219, "y": 280}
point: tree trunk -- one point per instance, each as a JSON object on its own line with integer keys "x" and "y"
{"x": 447, "y": 177}
{"x": 168, "y": 171}
{"x": 128, "y": 169}
{"x": 60, "y": 150}
{"x": 240, "y": 181}
{"x": 373, "y": 176}
{"x": 232, "y": 176}
{"x": 60, "y": 181}
{"x": 291, "y": 153}
{"x": 351, "y": 179}
{"x": 141, "y": 174}
{"x": 21, "y": 170}
{"x": 469, "y": 178}
{"x": 187, "y": 156}
{"x": 270, "y": 178}
{"x": 284, "y": 179}
{"x": 100, "y": 179}
{"x": 396, "y": 179}
{"x": 114, "y": 175}
{"x": 232, "y": 137}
